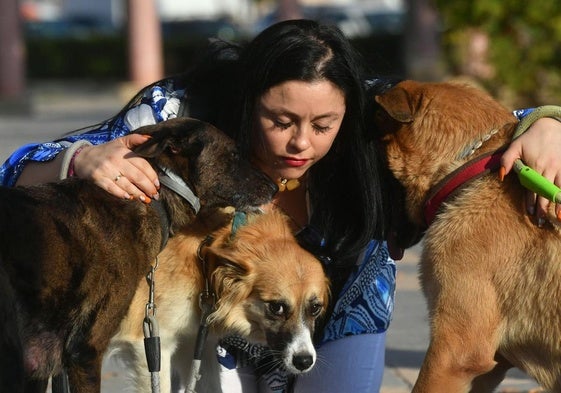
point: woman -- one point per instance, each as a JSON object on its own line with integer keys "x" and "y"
{"x": 293, "y": 98}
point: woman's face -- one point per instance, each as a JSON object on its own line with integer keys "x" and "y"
{"x": 296, "y": 124}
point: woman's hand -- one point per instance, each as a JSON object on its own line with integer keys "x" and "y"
{"x": 114, "y": 167}
{"x": 540, "y": 148}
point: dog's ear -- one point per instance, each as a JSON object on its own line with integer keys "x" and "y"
{"x": 160, "y": 142}
{"x": 397, "y": 103}
{"x": 179, "y": 135}
{"x": 231, "y": 266}
{"x": 152, "y": 147}
{"x": 232, "y": 284}
{"x": 232, "y": 275}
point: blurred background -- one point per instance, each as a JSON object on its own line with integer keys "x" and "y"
{"x": 511, "y": 49}
{"x": 66, "y": 64}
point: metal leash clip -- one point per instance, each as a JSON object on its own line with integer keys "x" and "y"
{"x": 152, "y": 333}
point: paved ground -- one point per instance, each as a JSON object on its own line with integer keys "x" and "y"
{"x": 59, "y": 108}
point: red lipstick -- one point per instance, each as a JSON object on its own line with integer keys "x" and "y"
{"x": 294, "y": 162}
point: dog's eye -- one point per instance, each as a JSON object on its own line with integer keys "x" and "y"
{"x": 316, "y": 309}
{"x": 276, "y": 308}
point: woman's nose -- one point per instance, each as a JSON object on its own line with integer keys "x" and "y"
{"x": 300, "y": 139}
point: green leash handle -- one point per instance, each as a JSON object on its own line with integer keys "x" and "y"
{"x": 535, "y": 182}
{"x": 528, "y": 177}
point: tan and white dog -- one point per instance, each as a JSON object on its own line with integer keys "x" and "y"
{"x": 269, "y": 290}
{"x": 491, "y": 276}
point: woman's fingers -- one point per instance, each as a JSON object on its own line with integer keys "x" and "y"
{"x": 147, "y": 178}
{"x": 539, "y": 147}
{"x": 115, "y": 168}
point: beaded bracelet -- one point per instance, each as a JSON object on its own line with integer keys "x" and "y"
{"x": 70, "y": 172}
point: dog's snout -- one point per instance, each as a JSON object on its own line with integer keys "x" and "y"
{"x": 260, "y": 190}
{"x": 303, "y": 362}
{"x": 268, "y": 186}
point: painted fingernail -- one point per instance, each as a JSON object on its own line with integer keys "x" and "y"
{"x": 157, "y": 183}
{"x": 541, "y": 221}
{"x": 127, "y": 196}
{"x": 502, "y": 172}
{"x": 531, "y": 210}
{"x": 145, "y": 199}
{"x": 146, "y": 136}
{"x": 156, "y": 196}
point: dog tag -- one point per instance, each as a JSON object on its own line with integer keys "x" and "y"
{"x": 152, "y": 349}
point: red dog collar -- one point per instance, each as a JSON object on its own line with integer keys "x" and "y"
{"x": 469, "y": 171}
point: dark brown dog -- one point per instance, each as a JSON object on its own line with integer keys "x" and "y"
{"x": 71, "y": 255}
{"x": 492, "y": 278}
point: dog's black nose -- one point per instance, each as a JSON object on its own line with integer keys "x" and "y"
{"x": 302, "y": 362}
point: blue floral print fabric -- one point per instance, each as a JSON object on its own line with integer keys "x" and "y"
{"x": 366, "y": 302}
{"x": 159, "y": 103}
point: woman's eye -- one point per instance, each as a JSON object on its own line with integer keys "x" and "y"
{"x": 321, "y": 129}
{"x": 283, "y": 125}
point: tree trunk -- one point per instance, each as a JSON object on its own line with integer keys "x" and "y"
{"x": 145, "y": 43}
{"x": 422, "y": 43}
{"x": 13, "y": 98}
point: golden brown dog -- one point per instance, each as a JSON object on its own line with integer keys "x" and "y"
{"x": 268, "y": 290}
{"x": 492, "y": 278}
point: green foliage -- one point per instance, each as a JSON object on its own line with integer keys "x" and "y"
{"x": 100, "y": 57}
{"x": 61, "y": 58}
{"x": 525, "y": 45}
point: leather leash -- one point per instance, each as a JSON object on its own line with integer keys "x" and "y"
{"x": 207, "y": 302}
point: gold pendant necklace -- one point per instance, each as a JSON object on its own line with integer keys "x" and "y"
{"x": 287, "y": 184}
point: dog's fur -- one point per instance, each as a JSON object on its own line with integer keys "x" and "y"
{"x": 268, "y": 289}
{"x": 71, "y": 255}
{"x": 491, "y": 276}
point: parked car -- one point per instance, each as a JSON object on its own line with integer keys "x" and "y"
{"x": 353, "y": 20}
{"x": 386, "y": 22}
{"x": 69, "y": 28}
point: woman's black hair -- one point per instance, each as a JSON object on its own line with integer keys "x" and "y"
{"x": 345, "y": 186}
{"x": 345, "y": 189}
